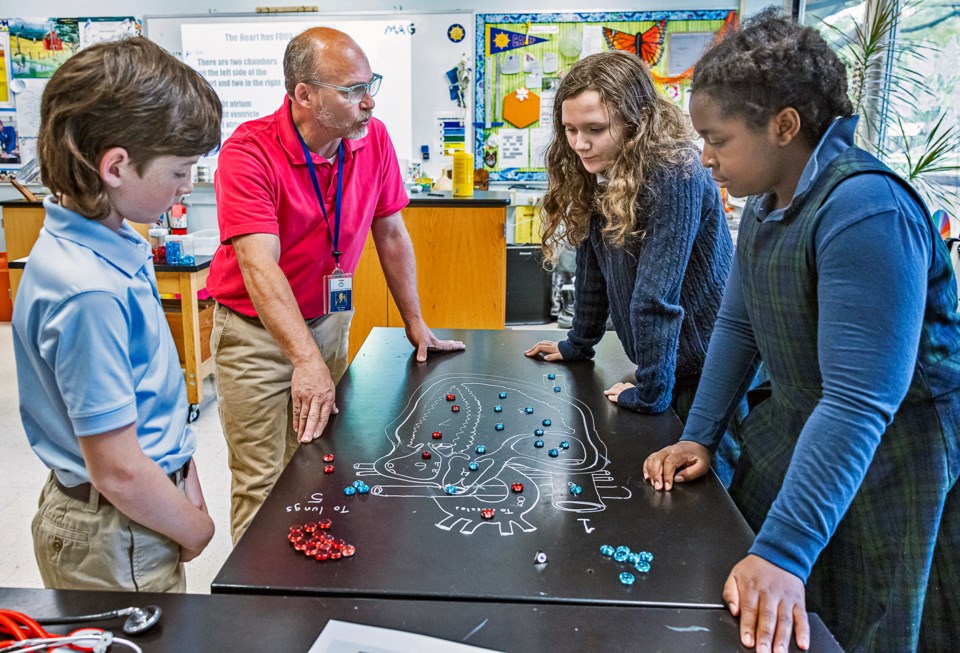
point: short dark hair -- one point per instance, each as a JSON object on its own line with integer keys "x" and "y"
{"x": 131, "y": 94}
{"x": 772, "y": 63}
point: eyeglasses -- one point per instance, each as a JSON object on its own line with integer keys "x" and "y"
{"x": 356, "y": 92}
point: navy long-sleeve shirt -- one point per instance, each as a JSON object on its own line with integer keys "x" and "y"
{"x": 872, "y": 255}
{"x": 662, "y": 289}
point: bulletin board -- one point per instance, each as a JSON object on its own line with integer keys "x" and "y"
{"x": 31, "y": 51}
{"x": 520, "y": 59}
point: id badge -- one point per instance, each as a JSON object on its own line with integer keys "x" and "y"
{"x": 338, "y": 295}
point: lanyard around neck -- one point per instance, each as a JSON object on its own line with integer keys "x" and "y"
{"x": 335, "y": 232}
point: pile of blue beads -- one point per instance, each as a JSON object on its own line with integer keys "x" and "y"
{"x": 358, "y": 487}
{"x": 640, "y": 561}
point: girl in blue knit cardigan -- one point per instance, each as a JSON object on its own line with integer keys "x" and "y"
{"x": 653, "y": 249}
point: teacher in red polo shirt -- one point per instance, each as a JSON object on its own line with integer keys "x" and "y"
{"x": 297, "y": 193}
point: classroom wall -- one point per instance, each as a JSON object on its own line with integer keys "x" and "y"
{"x": 202, "y": 212}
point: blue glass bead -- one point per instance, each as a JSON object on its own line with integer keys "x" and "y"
{"x": 498, "y": 408}
{"x": 556, "y": 388}
{"x": 349, "y": 490}
{"x": 363, "y": 489}
{"x": 551, "y": 376}
{"x": 538, "y": 432}
{"x": 627, "y": 578}
{"x": 624, "y": 549}
{"x": 502, "y": 395}
{"x": 553, "y": 453}
{"x": 619, "y": 556}
{"x": 646, "y": 556}
{"x": 450, "y": 489}
{"x": 606, "y": 550}
{"x": 357, "y": 483}
{"x": 187, "y": 260}
{"x": 564, "y": 445}
{"x": 642, "y": 566}
{"x": 633, "y": 558}
{"x": 575, "y": 490}
{"x": 473, "y": 467}
{"x": 528, "y": 410}
{"x": 538, "y": 444}
{"x": 547, "y": 422}
{"x": 499, "y": 426}
{"x": 481, "y": 449}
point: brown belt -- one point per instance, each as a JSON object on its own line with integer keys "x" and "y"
{"x": 82, "y": 492}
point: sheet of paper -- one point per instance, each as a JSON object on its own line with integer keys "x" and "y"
{"x": 28, "y": 106}
{"x": 539, "y": 141}
{"x": 345, "y": 637}
{"x": 592, "y": 42}
{"x": 514, "y": 148}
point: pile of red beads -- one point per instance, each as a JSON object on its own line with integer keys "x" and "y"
{"x": 314, "y": 540}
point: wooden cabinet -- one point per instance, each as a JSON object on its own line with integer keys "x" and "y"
{"x": 460, "y": 247}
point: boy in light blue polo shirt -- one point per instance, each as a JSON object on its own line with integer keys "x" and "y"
{"x": 102, "y": 397}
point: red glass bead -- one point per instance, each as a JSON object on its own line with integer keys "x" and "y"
{"x": 335, "y": 555}
{"x": 322, "y": 555}
{"x": 425, "y": 455}
{"x": 299, "y": 544}
{"x": 486, "y": 513}
{"x": 324, "y": 524}
{"x": 455, "y": 408}
{"x": 348, "y": 550}
{"x": 309, "y": 527}
{"x": 437, "y": 435}
{"x": 451, "y": 397}
{"x": 310, "y": 551}
{"x": 338, "y": 544}
{"x": 328, "y": 469}
{"x": 328, "y": 457}
{"x": 296, "y": 527}
{"x": 517, "y": 487}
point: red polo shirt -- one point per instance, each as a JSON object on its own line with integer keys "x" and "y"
{"x": 263, "y": 186}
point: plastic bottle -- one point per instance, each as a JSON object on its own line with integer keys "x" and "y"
{"x": 178, "y": 219}
{"x": 158, "y": 239}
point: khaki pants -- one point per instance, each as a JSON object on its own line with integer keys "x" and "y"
{"x": 93, "y": 546}
{"x": 255, "y": 403}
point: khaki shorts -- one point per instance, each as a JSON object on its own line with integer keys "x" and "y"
{"x": 90, "y": 545}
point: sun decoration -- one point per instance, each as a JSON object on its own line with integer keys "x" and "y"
{"x": 456, "y": 33}
{"x": 501, "y": 40}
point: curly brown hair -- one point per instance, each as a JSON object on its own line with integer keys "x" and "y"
{"x": 772, "y": 63}
{"x": 131, "y": 94}
{"x": 656, "y": 134}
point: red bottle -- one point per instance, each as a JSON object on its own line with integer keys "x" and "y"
{"x": 178, "y": 220}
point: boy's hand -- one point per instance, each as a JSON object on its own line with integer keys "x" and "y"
{"x": 770, "y": 603}
{"x": 683, "y": 461}
{"x": 548, "y": 348}
{"x": 313, "y": 394}
{"x": 192, "y": 489}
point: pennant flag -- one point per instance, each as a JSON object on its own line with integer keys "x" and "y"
{"x": 500, "y": 40}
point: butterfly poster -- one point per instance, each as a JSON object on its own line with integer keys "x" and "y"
{"x": 521, "y": 58}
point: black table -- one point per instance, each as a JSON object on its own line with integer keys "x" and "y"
{"x": 415, "y": 541}
{"x": 196, "y": 622}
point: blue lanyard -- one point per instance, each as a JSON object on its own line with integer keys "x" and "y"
{"x": 335, "y": 232}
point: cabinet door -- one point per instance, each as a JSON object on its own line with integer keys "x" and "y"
{"x": 461, "y": 266}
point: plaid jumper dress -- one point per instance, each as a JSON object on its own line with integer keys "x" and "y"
{"x": 889, "y": 579}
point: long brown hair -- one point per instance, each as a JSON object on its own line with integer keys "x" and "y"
{"x": 131, "y": 94}
{"x": 655, "y": 134}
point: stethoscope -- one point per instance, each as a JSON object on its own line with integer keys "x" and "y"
{"x": 28, "y": 634}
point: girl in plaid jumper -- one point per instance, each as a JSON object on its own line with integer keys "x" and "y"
{"x": 841, "y": 285}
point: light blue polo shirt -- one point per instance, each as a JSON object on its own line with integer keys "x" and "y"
{"x": 94, "y": 351}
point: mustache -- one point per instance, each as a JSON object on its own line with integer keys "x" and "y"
{"x": 366, "y": 115}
